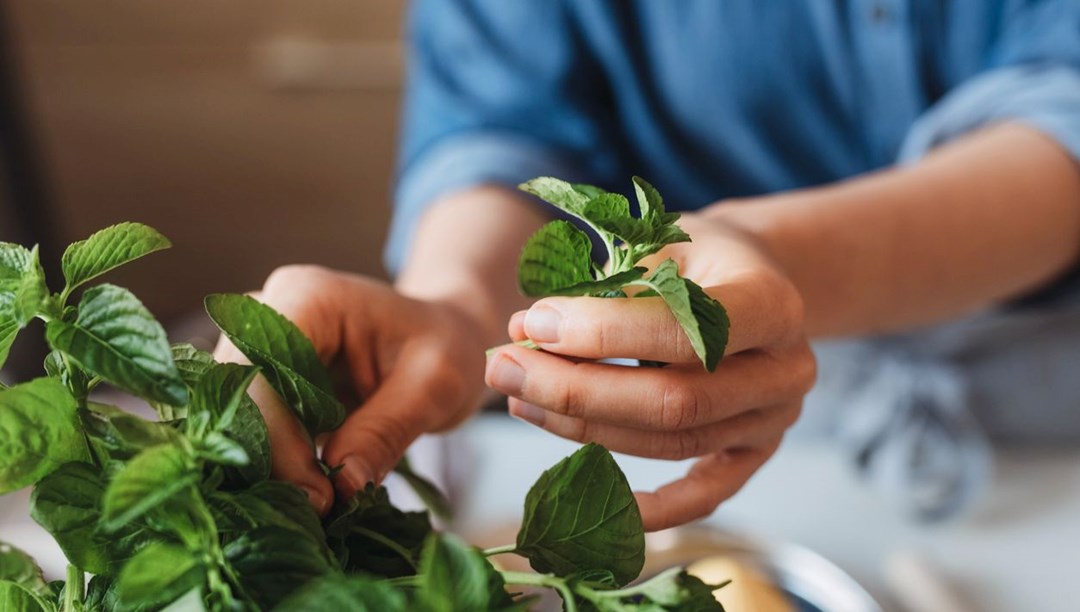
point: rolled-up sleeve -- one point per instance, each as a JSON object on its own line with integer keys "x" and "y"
{"x": 498, "y": 92}
{"x": 1031, "y": 76}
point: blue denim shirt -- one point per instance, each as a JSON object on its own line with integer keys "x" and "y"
{"x": 710, "y": 99}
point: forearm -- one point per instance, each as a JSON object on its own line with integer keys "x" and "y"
{"x": 987, "y": 218}
{"x": 465, "y": 253}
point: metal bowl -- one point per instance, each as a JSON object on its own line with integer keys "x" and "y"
{"x": 813, "y": 583}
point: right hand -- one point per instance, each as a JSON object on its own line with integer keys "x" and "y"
{"x": 417, "y": 366}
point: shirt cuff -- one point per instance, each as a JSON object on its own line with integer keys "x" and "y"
{"x": 459, "y": 162}
{"x": 1046, "y": 98}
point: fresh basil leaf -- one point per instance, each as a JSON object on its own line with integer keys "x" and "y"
{"x": 18, "y": 567}
{"x": 369, "y": 534}
{"x": 17, "y": 598}
{"x": 67, "y": 503}
{"x": 286, "y": 356}
{"x": 605, "y": 287}
{"x": 271, "y": 563}
{"x": 589, "y": 191}
{"x": 156, "y": 575}
{"x": 147, "y": 481}
{"x": 356, "y": 593}
{"x": 40, "y": 429}
{"x": 220, "y": 391}
{"x": 23, "y": 293}
{"x": 191, "y": 363}
{"x": 557, "y": 256}
{"x": 222, "y": 450}
{"x": 702, "y": 318}
{"x": 455, "y": 576}
{"x": 650, "y": 203}
{"x": 108, "y": 249}
{"x": 581, "y": 515}
{"x": 117, "y": 435}
{"x": 101, "y": 594}
{"x": 248, "y": 429}
{"x": 426, "y": 490}
{"x": 675, "y": 589}
{"x": 559, "y": 193}
{"x": 116, "y": 338}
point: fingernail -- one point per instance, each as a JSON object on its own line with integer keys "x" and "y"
{"x": 529, "y": 413}
{"x": 542, "y": 324}
{"x": 356, "y": 472}
{"x": 316, "y": 498}
{"x": 507, "y": 376}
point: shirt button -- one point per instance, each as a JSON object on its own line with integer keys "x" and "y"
{"x": 879, "y": 14}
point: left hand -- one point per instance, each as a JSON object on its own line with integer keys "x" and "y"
{"x": 733, "y": 419}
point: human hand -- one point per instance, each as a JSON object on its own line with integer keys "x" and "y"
{"x": 416, "y": 365}
{"x": 733, "y": 419}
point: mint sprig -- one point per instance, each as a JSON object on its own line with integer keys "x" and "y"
{"x": 557, "y": 259}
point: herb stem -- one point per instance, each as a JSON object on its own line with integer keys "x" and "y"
{"x": 387, "y": 542}
{"x": 500, "y": 550}
{"x": 74, "y": 589}
{"x": 544, "y": 580}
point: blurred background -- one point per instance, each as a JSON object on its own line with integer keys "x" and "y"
{"x": 256, "y": 133}
{"x": 252, "y": 133}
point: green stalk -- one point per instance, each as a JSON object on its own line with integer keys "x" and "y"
{"x": 543, "y": 580}
{"x": 500, "y": 550}
{"x": 74, "y": 589}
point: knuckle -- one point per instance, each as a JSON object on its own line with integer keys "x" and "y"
{"x": 570, "y": 401}
{"x": 289, "y": 276}
{"x": 685, "y": 445}
{"x": 680, "y": 407}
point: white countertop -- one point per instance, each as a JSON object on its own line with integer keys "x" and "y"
{"x": 1020, "y": 551}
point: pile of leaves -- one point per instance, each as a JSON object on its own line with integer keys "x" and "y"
{"x": 179, "y": 514}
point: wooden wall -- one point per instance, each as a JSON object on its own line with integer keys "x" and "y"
{"x": 252, "y": 132}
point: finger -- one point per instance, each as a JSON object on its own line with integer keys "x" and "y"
{"x": 516, "y": 327}
{"x": 709, "y": 482}
{"x": 292, "y": 457}
{"x": 668, "y": 399}
{"x": 751, "y": 428}
{"x": 375, "y": 436}
{"x": 761, "y": 309}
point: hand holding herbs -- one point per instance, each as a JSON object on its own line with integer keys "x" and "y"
{"x": 731, "y": 414}
{"x": 393, "y": 353}
{"x": 178, "y": 514}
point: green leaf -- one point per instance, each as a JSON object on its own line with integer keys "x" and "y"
{"x": 557, "y": 256}
{"x": 220, "y": 391}
{"x": 649, "y": 201}
{"x": 356, "y": 593}
{"x": 157, "y": 575}
{"x": 248, "y": 429}
{"x": 38, "y": 432}
{"x": 702, "y": 318}
{"x": 23, "y": 294}
{"x": 426, "y": 490}
{"x": 606, "y": 287}
{"x": 272, "y": 562}
{"x": 285, "y": 355}
{"x": 18, "y": 567}
{"x": 101, "y": 594}
{"x": 222, "y": 450}
{"x": 581, "y": 515}
{"x": 393, "y": 550}
{"x": 146, "y": 482}
{"x": 116, "y": 338}
{"x": 118, "y": 435}
{"x": 559, "y": 193}
{"x": 15, "y": 597}
{"x": 108, "y": 249}
{"x": 455, "y": 576}
{"x": 67, "y": 503}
